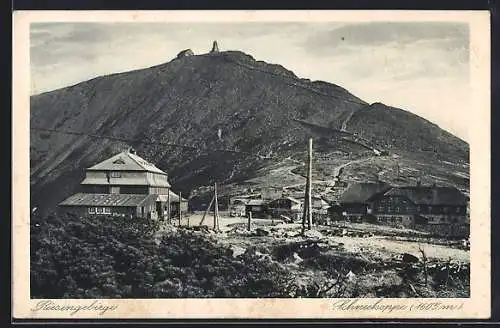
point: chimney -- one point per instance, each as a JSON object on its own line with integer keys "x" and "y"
{"x": 215, "y": 47}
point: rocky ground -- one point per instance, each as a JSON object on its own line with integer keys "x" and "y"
{"x": 355, "y": 260}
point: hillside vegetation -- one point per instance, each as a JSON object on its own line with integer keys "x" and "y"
{"x": 74, "y": 257}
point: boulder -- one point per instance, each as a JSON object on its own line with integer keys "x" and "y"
{"x": 313, "y": 234}
{"x": 296, "y": 258}
{"x": 261, "y": 232}
{"x": 351, "y": 276}
{"x": 408, "y": 258}
{"x": 237, "y": 250}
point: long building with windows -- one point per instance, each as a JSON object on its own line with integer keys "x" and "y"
{"x": 125, "y": 185}
{"x": 432, "y": 208}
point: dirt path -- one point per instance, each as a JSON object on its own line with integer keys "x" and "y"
{"x": 378, "y": 247}
{"x": 337, "y": 171}
{"x": 344, "y": 124}
{"x": 384, "y": 248}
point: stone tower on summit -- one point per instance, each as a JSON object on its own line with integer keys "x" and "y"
{"x": 215, "y": 47}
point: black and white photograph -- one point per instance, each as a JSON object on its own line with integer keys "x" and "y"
{"x": 250, "y": 160}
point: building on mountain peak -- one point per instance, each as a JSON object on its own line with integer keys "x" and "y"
{"x": 215, "y": 47}
{"x": 185, "y": 53}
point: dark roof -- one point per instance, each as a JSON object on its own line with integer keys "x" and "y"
{"x": 430, "y": 195}
{"x": 111, "y": 200}
{"x": 362, "y": 192}
{"x": 255, "y": 202}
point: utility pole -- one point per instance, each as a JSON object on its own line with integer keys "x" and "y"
{"x": 216, "y": 209}
{"x": 309, "y": 187}
{"x": 169, "y": 218}
{"x": 307, "y": 215}
{"x": 180, "y": 208}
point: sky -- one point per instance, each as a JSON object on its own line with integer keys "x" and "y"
{"x": 422, "y": 67}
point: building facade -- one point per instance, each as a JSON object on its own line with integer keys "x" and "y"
{"x": 287, "y": 206}
{"x": 435, "y": 209}
{"x": 355, "y": 201}
{"x": 125, "y": 185}
{"x": 414, "y": 206}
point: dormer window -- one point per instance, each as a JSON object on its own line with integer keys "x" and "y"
{"x": 119, "y": 161}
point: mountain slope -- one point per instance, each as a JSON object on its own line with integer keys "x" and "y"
{"x": 261, "y": 110}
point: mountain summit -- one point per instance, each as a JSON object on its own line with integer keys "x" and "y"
{"x": 238, "y": 117}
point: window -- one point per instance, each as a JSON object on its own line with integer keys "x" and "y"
{"x": 119, "y": 161}
{"x": 99, "y": 210}
{"x": 107, "y": 210}
{"x": 91, "y": 210}
{"x": 116, "y": 174}
{"x": 114, "y": 190}
{"x": 458, "y": 209}
{"x": 397, "y": 209}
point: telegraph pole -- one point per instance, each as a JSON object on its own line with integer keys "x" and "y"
{"x": 180, "y": 208}
{"x": 309, "y": 186}
{"x": 216, "y": 209}
{"x": 169, "y": 218}
{"x": 208, "y": 209}
{"x": 307, "y": 215}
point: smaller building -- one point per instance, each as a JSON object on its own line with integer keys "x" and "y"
{"x": 256, "y": 206}
{"x": 237, "y": 209}
{"x": 162, "y": 204}
{"x": 287, "y": 206}
{"x": 319, "y": 205}
{"x": 243, "y": 199}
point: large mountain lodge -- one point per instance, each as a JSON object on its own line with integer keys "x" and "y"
{"x": 125, "y": 185}
{"x": 436, "y": 209}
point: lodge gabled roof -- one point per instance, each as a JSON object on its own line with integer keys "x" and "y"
{"x": 108, "y": 200}
{"x": 430, "y": 195}
{"x": 126, "y": 161}
{"x": 362, "y": 192}
{"x": 174, "y": 198}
